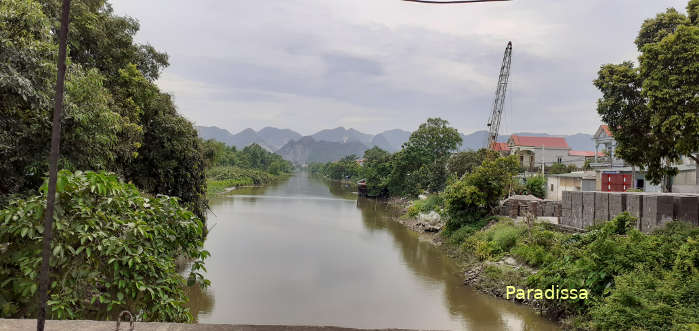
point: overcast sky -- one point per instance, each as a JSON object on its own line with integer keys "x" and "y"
{"x": 382, "y": 64}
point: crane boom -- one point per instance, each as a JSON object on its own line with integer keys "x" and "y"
{"x": 498, "y": 104}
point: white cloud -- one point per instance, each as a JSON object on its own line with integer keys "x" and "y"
{"x": 376, "y": 65}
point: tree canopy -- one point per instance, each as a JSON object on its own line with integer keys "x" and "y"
{"x": 653, "y": 109}
{"x": 116, "y": 118}
{"x": 421, "y": 164}
{"x": 114, "y": 248}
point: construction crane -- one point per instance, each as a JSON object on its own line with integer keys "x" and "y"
{"x": 496, "y": 115}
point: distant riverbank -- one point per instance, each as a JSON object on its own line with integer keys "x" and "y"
{"x": 223, "y": 179}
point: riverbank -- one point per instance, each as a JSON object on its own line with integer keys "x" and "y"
{"x": 634, "y": 280}
{"x": 224, "y": 179}
{"x": 488, "y": 277}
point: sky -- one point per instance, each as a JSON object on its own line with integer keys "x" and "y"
{"x": 376, "y": 65}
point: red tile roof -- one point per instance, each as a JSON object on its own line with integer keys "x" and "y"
{"x": 501, "y": 147}
{"x": 584, "y": 153}
{"x": 606, "y": 130}
{"x": 550, "y": 142}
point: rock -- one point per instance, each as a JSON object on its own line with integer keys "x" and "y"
{"x": 431, "y": 218}
{"x": 509, "y": 260}
{"x": 472, "y": 275}
{"x": 422, "y": 197}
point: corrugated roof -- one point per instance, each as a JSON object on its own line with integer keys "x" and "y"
{"x": 546, "y": 142}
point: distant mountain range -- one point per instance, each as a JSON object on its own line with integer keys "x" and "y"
{"x": 270, "y": 138}
{"x": 333, "y": 144}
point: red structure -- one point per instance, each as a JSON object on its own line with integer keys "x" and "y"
{"x": 616, "y": 182}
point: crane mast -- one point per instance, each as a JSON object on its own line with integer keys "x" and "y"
{"x": 498, "y": 104}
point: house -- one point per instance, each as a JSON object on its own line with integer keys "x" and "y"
{"x": 533, "y": 151}
{"x": 575, "y": 181}
{"x": 606, "y": 145}
{"x": 501, "y": 148}
{"x": 579, "y": 158}
{"x": 622, "y": 179}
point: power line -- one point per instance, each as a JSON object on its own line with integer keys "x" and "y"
{"x": 452, "y": 2}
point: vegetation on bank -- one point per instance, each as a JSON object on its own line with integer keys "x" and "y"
{"x": 113, "y": 249}
{"x": 420, "y": 166}
{"x": 115, "y": 243}
{"x": 116, "y": 118}
{"x": 251, "y": 166}
{"x": 635, "y": 280}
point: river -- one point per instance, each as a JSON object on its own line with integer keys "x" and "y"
{"x": 308, "y": 252}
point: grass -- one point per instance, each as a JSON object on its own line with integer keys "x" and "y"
{"x": 636, "y": 281}
{"x": 221, "y": 178}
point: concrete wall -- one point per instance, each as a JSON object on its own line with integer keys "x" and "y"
{"x": 653, "y": 210}
{"x": 555, "y": 186}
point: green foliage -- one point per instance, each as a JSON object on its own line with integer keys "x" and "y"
{"x": 113, "y": 249}
{"x": 221, "y": 178}
{"x": 652, "y": 109}
{"x": 116, "y": 118}
{"x": 376, "y": 171}
{"x": 251, "y": 157}
{"x": 558, "y": 168}
{"x": 346, "y": 168}
{"x": 421, "y": 164}
{"x": 463, "y": 163}
{"x": 459, "y": 236}
{"x": 477, "y": 194}
{"x": 496, "y": 240}
{"x": 536, "y": 186}
{"x": 608, "y": 262}
{"x": 636, "y": 281}
{"x": 432, "y": 203}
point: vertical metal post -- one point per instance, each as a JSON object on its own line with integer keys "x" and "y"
{"x": 543, "y": 151}
{"x": 44, "y": 279}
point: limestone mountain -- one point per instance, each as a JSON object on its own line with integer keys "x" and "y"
{"x": 342, "y": 135}
{"x": 269, "y": 138}
{"x": 307, "y": 150}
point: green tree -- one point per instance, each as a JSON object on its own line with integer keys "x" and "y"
{"x": 114, "y": 249}
{"x": 536, "y": 186}
{"x": 376, "y": 171}
{"x": 559, "y": 168}
{"x": 477, "y": 194}
{"x": 463, "y": 163}
{"x": 421, "y": 164}
{"x": 652, "y": 109}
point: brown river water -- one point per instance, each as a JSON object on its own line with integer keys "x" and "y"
{"x": 307, "y": 252}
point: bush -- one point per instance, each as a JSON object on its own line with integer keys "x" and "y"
{"x": 464, "y": 204}
{"x": 113, "y": 249}
{"x": 477, "y": 194}
{"x": 496, "y": 240}
{"x": 459, "y": 236}
{"x": 607, "y": 260}
{"x": 536, "y": 186}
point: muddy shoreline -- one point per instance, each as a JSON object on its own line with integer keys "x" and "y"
{"x": 487, "y": 277}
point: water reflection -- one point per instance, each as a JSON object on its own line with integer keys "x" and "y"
{"x": 306, "y": 251}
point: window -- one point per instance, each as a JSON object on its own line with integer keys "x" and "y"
{"x": 551, "y": 187}
{"x": 560, "y": 159}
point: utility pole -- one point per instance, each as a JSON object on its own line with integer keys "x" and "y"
{"x": 543, "y": 150}
{"x": 44, "y": 279}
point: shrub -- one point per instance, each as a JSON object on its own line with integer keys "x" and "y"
{"x": 459, "y": 236}
{"x": 113, "y": 249}
{"x": 496, "y": 240}
{"x": 598, "y": 259}
{"x": 536, "y": 186}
